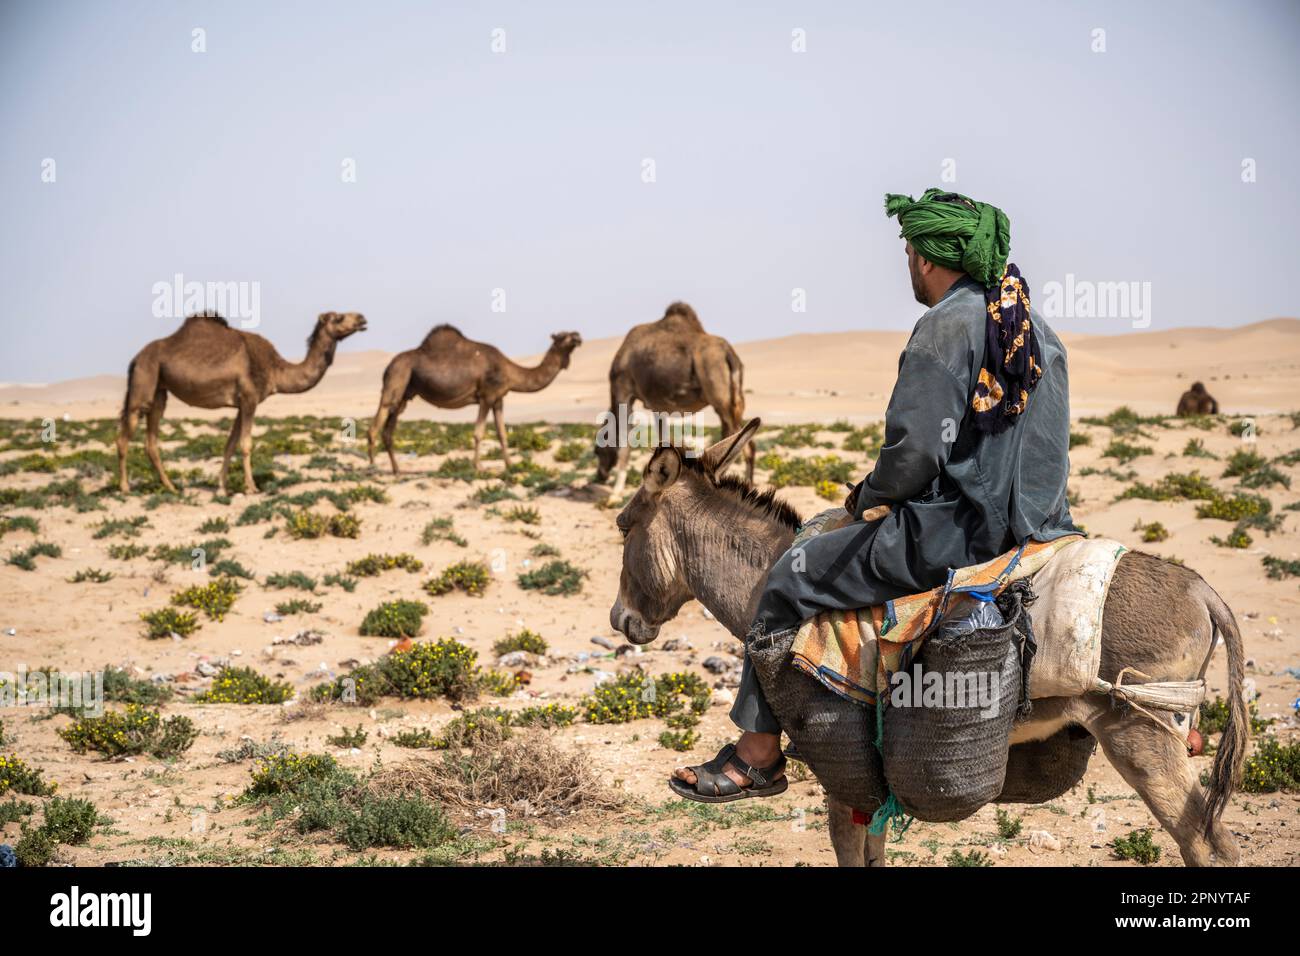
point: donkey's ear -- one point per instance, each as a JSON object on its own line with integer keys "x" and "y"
{"x": 664, "y": 467}
{"x": 717, "y": 457}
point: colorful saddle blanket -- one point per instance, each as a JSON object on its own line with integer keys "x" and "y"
{"x": 853, "y": 652}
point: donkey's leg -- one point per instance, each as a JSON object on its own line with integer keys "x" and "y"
{"x": 848, "y": 838}
{"x": 1156, "y": 765}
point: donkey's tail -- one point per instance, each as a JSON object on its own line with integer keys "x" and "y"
{"x": 1236, "y": 731}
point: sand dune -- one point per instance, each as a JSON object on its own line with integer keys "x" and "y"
{"x": 809, "y": 376}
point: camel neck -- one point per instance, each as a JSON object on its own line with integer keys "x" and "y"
{"x": 539, "y": 376}
{"x": 301, "y": 376}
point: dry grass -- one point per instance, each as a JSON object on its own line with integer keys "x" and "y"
{"x": 527, "y": 774}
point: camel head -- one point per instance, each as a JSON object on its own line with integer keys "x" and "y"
{"x": 675, "y": 489}
{"x": 339, "y": 325}
{"x": 565, "y": 343}
{"x": 1198, "y": 388}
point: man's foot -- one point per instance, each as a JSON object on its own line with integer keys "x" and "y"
{"x": 752, "y": 767}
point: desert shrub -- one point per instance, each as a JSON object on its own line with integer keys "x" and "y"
{"x": 1008, "y": 826}
{"x": 491, "y": 494}
{"x": 497, "y": 683}
{"x": 69, "y": 820}
{"x": 229, "y": 568}
{"x": 544, "y": 550}
{"x": 395, "y": 619}
{"x": 214, "y": 526}
{"x": 976, "y": 858}
{"x": 1174, "y": 487}
{"x": 572, "y": 451}
{"x": 1234, "y": 508}
{"x": 1237, "y": 538}
{"x": 1279, "y": 568}
{"x": 18, "y": 523}
{"x": 441, "y": 529}
{"x": 422, "y": 739}
{"x": 305, "y": 523}
{"x": 868, "y": 439}
{"x": 126, "y": 527}
{"x": 1214, "y": 717}
{"x": 1136, "y": 846}
{"x": 291, "y": 579}
{"x": 168, "y": 621}
{"x": 1272, "y": 767}
{"x": 554, "y": 577}
{"x": 348, "y": 584}
{"x": 297, "y": 606}
{"x": 544, "y": 716}
{"x": 122, "y": 687}
{"x": 805, "y": 471}
{"x": 472, "y": 577}
{"x": 1125, "y": 451}
{"x": 461, "y": 469}
{"x": 1151, "y": 533}
{"x": 399, "y": 821}
{"x": 524, "y": 515}
{"x": 831, "y": 491}
{"x": 92, "y": 575}
{"x": 17, "y": 776}
{"x": 1079, "y": 438}
{"x": 214, "y": 598}
{"x": 289, "y": 772}
{"x": 426, "y": 670}
{"x": 243, "y": 685}
{"x": 524, "y": 640}
{"x": 13, "y": 811}
{"x": 208, "y": 551}
{"x": 635, "y": 695}
{"x": 345, "y": 526}
{"x": 348, "y": 738}
{"x": 1195, "y": 448}
{"x": 1124, "y": 420}
{"x": 25, "y": 558}
{"x": 374, "y": 564}
{"x": 35, "y": 847}
{"x": 125, "y": 552}
{"x": 134, "y": 730}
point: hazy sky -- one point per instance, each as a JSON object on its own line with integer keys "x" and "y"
{"x": 524, "y": 170}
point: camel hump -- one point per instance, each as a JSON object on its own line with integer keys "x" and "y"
{"x": 441, "y": 332}
{"x": 207, "y": 317}
{"x": 684, "y": 313}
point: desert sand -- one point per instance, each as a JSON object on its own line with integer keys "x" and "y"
{"x": 183, "y": 809}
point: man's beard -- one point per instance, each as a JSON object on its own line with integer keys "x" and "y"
{"x": 918, "y": 289}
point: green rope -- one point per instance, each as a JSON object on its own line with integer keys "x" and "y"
{"x": 891, "y": 811}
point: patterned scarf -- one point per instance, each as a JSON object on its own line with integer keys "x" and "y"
{"x": 1012, "y": 361}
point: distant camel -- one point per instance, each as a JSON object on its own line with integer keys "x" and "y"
{"x": 451, "y": 371}
{"x": 1197, "y": 401}
{"x": 672, "y": 365}
{"x": 208, "y": 364}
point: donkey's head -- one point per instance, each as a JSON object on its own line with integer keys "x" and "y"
{"x": 683, "y": 505}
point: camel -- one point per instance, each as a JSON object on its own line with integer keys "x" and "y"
{"x": 691, "y": 532}
{"x": 451, "y": 371}
{"x": 672, "y": 366}
{"x": 207, "y": 364}
{"x": 1197, "y": 401}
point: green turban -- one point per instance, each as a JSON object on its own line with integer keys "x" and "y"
{"x": 955, "y": 232}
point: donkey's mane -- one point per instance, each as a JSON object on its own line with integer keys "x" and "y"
{"x": 764, "y": 502}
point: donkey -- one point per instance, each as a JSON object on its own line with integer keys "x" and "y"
{"x": 691, "y": 531}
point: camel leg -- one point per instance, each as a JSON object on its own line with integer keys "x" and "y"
{"x": 231, "y": 442}
{"x": 246, "y": 446}
{"x": 151, "y": 438}
{"x": 480, "y": 426}
{"x": 501, "y": 433}
{"x": 847, "y": 837}
{"x": 390, "y": 430}
{"x": 125, "y": 429}
{"x": 376, "y": 425}
{"x": 1158, "y": 768}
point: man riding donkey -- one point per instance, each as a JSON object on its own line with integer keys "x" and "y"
{"x": 974, "y": 462}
